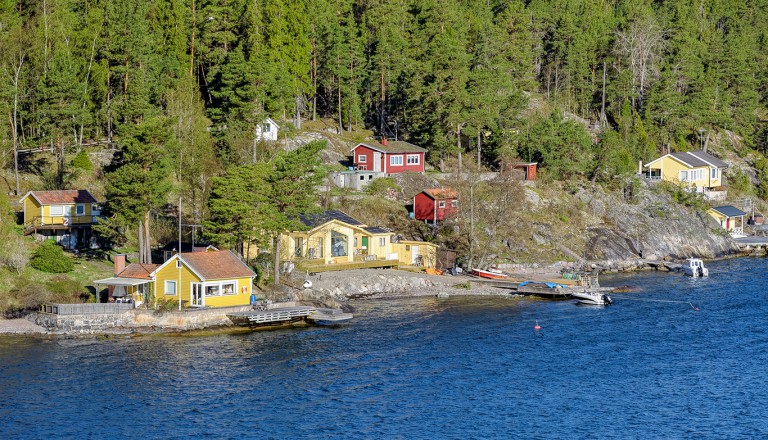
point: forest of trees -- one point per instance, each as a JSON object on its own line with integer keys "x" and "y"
{"x": 179, "y": 85}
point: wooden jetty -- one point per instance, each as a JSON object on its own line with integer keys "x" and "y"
{"x": 551, "y": 289}
{"x": 288, "y": 315}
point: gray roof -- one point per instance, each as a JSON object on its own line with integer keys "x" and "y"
{"x": 729, "y": 211}
{"x": 314, "y": 220}
{"x": 393, "y": 147}
{"x": 377, "y": 230}
{"x": 700, "y": 159}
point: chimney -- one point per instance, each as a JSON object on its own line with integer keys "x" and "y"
{"x": 384, "y": 141}
{"x": 119, "y": 263}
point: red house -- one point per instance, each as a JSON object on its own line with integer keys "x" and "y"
{"x": 435, "y": 204}
{"x": 389, "y": 157}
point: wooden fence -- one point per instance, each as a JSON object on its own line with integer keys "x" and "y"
{"x": 87, "y": 309}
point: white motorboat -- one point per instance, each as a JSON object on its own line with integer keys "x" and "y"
{"x": 592, "y": 298}
{"x": 694, "y": 267}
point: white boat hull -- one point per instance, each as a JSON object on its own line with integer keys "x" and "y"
{"x": 592, "y": 298}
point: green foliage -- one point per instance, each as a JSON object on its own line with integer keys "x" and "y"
{"x": 761, "y": 165}
{"x": 382, "y": 186}
{"x": 27, "y": 295}
{"x": 165, "y": 305}
{"x": 49, "y": 257}
{"x": 685, "y": 196}
{"x": 738, "y": 180}
{"x": 82, "y": 161}
{"x": 562, "y": 146}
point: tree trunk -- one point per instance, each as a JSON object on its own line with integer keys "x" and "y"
{"x": 147, "y": 241}
{"x": 277, "y": 259}
{"x": 141, "y": 242}
{"x": 479, "y": 150}
{"x": 458, "y": 145}
{"x": 297, "y": 122}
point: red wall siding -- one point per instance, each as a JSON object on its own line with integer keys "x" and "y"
{"x": 393, "y": 169}
{"x": 363, "y": 150}
{"x": 424, "y": 208}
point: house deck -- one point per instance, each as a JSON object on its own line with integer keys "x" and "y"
{"x": 321, "y": 267}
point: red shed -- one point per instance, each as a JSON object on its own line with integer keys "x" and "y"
{"x": 435, "y": 204}
{"x": 529, "y": 168}
{"x": 389, "y": 157}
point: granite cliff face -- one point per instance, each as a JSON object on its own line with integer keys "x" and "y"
{"x": 650, "y": 225}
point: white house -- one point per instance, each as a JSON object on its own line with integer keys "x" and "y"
{"x": 267, "y": 130}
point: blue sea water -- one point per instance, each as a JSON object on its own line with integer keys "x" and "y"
{"x": 649, "y": 366}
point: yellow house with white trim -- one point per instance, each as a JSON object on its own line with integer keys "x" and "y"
{"x": 65, "y": 216}
{"x": 335, "y": 237}
{"x": 197, "y": 279}
{"x": 692, "y": 169}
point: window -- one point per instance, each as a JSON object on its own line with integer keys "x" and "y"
{"x": 395, "y": 160}
{"x": 454, "y": 203}
{"x": 212, "y": 290}
{"x": 412, "y": 159}
{"x": 441, "y": 204}
{"x": 170, "y": 287}
{"x": 228, "y": 288}
{"x": 362, "y": 158}
{"x": 57, "y": 210}
{"x": 695, "y": 175}
{"x": 178, "y": 264}
{"x": 338, "y": 244}
{"x": 362, "y": 177}
{"x": 220, "y": 288}
{"x": 95, "y": 209}
{"x": 79, "y": 209}
{"x": 713, "y": 173}
{"x": 382, "y": 241}
{"x": 683, "y": 176}
{"x": 267, "y": 128}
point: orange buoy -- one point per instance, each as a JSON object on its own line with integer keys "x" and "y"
{"x": 537, "y": 326}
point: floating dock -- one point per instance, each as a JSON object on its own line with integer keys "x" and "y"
{"x": 561, "y": 289}
{"x": 287, "y": 315}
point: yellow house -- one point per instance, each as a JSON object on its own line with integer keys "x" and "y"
{"x": 334, "y": 237}
{"x": 199, "y": 279}
{"x": 730, "y": 218}
{"x": 65, "y": 216}
{"x": 693, "y": 169}
{"x": 416, "y": 253}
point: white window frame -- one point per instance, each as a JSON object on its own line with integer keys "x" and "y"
{"x": 713, "y": 173}
{"x": 396, "y": 160}
{"x": 95, "y": 209}
{"x": 441, "y": 204}
{"x": 219, "y": 285}
{"x": 382, "y": 241}
{"x": 57, "y": 210}
{"x": 413, "y": 159}
{"x": 454, "y": 203}
{"x": 79, "y": 209}
{"x": 362, "y": 158}
{"x": 167, "y": 288}
{"x": 695, "y": 175}
{"x": 266, "y": 128}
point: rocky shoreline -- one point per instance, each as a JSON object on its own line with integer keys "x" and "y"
{"x": 332, "y": 289}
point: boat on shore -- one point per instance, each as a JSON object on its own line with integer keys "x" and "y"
{"x": 592, "y": 298}
{"x": 694, "y": 267}
{"x": 493, "y": 274}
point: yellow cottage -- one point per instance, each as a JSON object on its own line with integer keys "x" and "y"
{"x": 693, "y": 168}
{"x": 333, "y": 237}
{"x": 730, "y": 218}
{"x": 65, "y": 216}
{"x": 199, "y": 279}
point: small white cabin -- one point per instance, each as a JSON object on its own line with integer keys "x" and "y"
{"x": 267, "y": 130}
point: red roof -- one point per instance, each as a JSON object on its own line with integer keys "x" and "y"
{"x": 393, "y": 147}
{"x": 138, "y": 270}
{"x": 62, "y": 197}
{"x": 441, "y": 193}
{"x": 213, "y": 265}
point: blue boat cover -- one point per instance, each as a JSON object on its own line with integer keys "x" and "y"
{"x": 549, "y": 284}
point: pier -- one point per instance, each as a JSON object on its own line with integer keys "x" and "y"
{"x": 287, "y": 315}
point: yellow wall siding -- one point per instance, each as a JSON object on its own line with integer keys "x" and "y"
{"x": 670, "y": 171}
{"x": 243, "y": 287}
{"x": 405, "y": 251}
{"x": 374, "y": 248}
{"x": 722, "y": 220}
{"x": 31, "y": 209}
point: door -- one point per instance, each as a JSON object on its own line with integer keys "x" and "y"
{"x": 415, "y": 255}
{"x": 67, "y": 220}
{"x": 376, "y": 161}
{"x": 365, "y": 245}
{"x": 198, "y": 299}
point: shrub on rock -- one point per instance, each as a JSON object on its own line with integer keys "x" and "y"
{"x": 49, "y": 257}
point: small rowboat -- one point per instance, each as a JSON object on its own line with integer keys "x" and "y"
{"x": 493, "y": 274}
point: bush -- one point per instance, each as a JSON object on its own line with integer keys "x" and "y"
{"x": 14, "y": 255}
{"x": 82, "y": 161}
{"x": 49, "y": 257}
{"x": 25, "y": 297}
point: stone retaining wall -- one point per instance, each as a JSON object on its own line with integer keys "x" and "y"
{"x": 135, "y": 320}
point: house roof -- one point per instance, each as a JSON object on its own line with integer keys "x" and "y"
{"x": 694, "y": 159}
{"x": 393, "y": 147}
{"x": 138, "y": 270}
{"x": 441, "y": 193}
{"x": 377, "y": 230}
{"x": 213, "y": 265}
{"x": 729, "y": 211}
{"x": 270, "y": 120}
{"x": 314, "y": 220}
{"x": 61, "y": 196}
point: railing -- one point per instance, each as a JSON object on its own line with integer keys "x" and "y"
{"x": 86, "y": 309}
{"x": 737, "y": 232}
{"x": 62, "y": 220}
